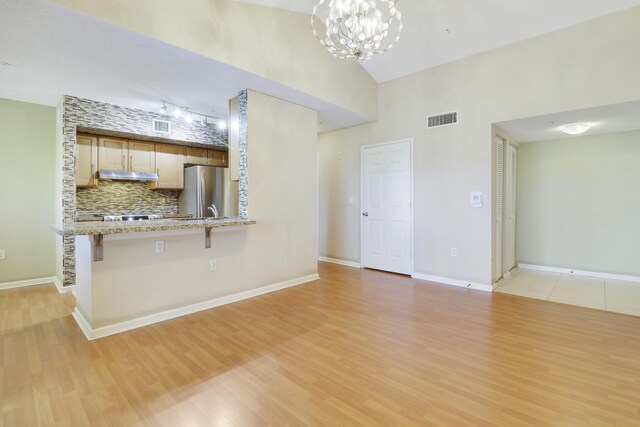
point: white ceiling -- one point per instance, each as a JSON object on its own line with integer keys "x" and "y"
{"x": 54, "y": 51}
{"x": 605, "y": 119}
{"x": 440, "y": 31}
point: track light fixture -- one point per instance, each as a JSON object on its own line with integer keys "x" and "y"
{"x": 190, "y": 116}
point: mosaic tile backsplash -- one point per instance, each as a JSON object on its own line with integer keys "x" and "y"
{"x": 121, "y": 198}
{"x": 98, "y": 117}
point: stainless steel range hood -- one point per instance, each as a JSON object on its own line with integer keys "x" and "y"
{"x": 127, "y": 176}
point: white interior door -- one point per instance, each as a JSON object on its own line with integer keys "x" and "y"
{"x": 510, "y": 225}
{"x": 499, "y": 189}
{"x": 386, "y": 207}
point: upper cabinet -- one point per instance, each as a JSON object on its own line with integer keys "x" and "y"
{"x": 167, "y": 160}
{"x": 86, "y": 160}
{"x": 169, "y": 167}
{"x": 124, "y": 155}
{"x": 205, "y": 157}
{"x": 142, "y": 156}
{"x": 217, "y": 158}
{"x": 196, "y": 156}
{"x": 112, "y": 153}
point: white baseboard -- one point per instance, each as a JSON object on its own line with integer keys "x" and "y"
{"x": 453, "y": 282}
{"x": 340, "y": 262}
{"x": 560, "y": 270}
{"x": 94, "y": 333}
{"x": 28, "y": 282}
{"x": 38, "y": 281}
{"x": 63, "y": 289}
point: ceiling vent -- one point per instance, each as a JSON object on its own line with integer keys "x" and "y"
{"x": 162, "y": 126}
{"x": 446, "y": 119}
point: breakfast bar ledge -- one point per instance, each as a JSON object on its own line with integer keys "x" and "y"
{"x": 99, "y": 229}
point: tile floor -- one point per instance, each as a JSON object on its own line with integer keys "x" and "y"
{"x": 593, "y": 292}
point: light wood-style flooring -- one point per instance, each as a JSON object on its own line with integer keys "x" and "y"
{"x": 356, "y": 348}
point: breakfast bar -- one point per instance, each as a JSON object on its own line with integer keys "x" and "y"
{"x": 99, "y": 229}
{"x": 134, "y": 273}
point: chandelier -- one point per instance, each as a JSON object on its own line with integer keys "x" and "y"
{"x": 357, "y": 28}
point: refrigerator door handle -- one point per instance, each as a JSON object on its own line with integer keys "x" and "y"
{"x": 200, "y": 194}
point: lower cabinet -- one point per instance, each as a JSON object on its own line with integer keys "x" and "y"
{"x": 169, "y": 167}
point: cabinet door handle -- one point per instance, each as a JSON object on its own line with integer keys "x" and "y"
{"x": 123, "y": 161}
{"x": 131, "y": 162}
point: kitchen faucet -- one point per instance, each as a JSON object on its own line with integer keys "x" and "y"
{"x": 214, "y": 210}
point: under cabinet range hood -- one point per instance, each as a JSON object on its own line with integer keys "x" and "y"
{"x": 127, "y": 176}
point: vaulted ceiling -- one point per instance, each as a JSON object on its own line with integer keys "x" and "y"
{"x": 47, "y": 51}
{"x": 440, "y": 31}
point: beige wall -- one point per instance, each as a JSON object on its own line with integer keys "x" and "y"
{"x": 27, "y": 168}
{"x": 583, "y": 66}
{"x": 282, "y": 141}
{"x": 268, "y": 42}
{"x": 579, "y": 203}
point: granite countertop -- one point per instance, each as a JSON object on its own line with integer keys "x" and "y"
{"x": 114, "y": 227}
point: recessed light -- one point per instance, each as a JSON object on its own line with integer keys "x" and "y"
{"x": 576, "y": 128}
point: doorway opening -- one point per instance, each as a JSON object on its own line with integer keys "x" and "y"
{"x": 573, "y": 180}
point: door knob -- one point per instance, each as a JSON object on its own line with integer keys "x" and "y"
{"x": 365, "y": 213}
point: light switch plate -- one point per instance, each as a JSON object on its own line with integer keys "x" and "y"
{"x": 2, "y": 254}
{"x": 475, "y": 199}
{"x": 213, "y": 265}
{"x": 159, "y": 246}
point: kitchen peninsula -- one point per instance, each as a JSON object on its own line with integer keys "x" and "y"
{"x": 154, "y": 270}
{"x": 120, "y": 277}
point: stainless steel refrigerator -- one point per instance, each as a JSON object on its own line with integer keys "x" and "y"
{"x": 206, "y": 187}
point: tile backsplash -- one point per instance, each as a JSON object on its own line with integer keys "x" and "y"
{"x": 120, "y": 198}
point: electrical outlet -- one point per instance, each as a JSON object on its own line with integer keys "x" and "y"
{"x": 213, "y": 264}
{"x": 454, "y": 251}
{"x": 159, "y": 246}
{"x": 2, "y": 254}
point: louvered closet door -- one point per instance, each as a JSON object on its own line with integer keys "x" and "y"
{"x": 510, "y": 238}
{"x": 499, "y": 206}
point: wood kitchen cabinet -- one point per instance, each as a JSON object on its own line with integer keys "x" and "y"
{"x": 142, "y": 156}
{"x": 197, "y": 156}
{"x": 86, "y": 160}
{"x": 169, "y": 167}
{"x": 217, "y": 158}
{"x": 113, "y": 153}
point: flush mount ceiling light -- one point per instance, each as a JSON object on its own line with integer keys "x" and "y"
{"x": 356, "y": 28}
{"x": 576, "y": 128}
